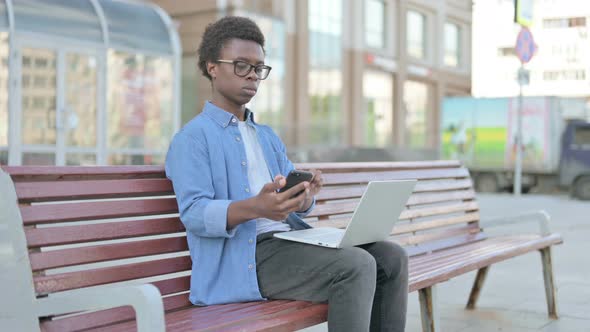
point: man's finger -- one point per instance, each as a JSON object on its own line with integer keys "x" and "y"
{"x": 295, "y": 189}
{"x": 293, "y": 203}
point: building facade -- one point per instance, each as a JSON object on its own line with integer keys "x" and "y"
{"x": 561, "y": 65}
{"x": 366, "y": 74}
{"x": 89, "y": 82}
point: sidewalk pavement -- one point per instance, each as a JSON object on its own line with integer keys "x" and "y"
{"x": 513, "y": 295}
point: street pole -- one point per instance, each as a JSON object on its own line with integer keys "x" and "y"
{"x": 518, "y": 163}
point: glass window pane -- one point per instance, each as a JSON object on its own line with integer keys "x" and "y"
{"x": 416, "y": 34}
{"x": 269, "y": 103}
{"x": 3, "y": 15}
{"x": 136, "y": 26}
{"x": 325, "y": 76}
{"x": 3, "y": 89}
{"x": 582, "y": 136}
{"x": 3, "y": 157}
{"x": 452, "y": 45}
{"x": 66, "y": 18}
{"x": 80, "y": 159}
{"x": 140, "y": 114}
{"x": 38, "y": 158}
{"x": 375, "y": 23}
{"x": 416, "y": 106}
{"x": 80, "y": 110}
{"x": 38, "y": 121}
{"x": 135, "y": 159}
{"x": 378, "y": 94}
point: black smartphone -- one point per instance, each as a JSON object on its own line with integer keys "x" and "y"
{"x": 294, "y": 178}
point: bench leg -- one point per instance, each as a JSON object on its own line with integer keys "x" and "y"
{"x": 550, "y": 291}
{"x": 476, "y": 289}
{"x": 428, "y": 309}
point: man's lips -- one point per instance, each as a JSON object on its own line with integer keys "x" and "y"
{"x": 249, "y": 90}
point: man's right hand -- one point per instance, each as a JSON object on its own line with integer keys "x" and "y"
{"x": 277, "y": 206}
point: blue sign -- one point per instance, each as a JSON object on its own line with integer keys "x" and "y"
{"x": 525, "y": 45}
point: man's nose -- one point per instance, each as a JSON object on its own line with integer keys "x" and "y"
{"x": 252, "y": 75}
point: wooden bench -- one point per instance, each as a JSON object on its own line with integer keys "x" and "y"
{"x": 69, "y": 235}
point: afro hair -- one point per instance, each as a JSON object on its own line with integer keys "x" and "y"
{"x": 219, "y": 32}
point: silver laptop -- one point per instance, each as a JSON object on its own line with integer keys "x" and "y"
{"x": 372, "y": 220}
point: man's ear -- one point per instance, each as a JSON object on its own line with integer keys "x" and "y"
{"x": 212, "y": 69}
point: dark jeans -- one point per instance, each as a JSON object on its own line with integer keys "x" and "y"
{"x": 366, "y": 286}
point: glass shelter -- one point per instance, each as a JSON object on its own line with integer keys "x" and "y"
{"x": 87, "y": 82}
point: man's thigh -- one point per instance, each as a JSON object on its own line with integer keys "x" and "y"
{"x": 292, "y": 270}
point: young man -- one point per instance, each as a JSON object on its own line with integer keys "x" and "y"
{"x": 226, "y": 170}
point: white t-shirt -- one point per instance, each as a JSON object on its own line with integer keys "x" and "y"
{"x": 258, "y": 175}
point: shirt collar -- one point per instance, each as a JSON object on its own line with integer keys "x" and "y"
{"x": 224, "y": 118}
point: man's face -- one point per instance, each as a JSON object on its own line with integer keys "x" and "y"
{"x": 235, "y": 89}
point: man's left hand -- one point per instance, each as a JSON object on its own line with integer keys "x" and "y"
{"x": 314, "y": 187}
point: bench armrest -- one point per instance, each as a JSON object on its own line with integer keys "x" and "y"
{"x": 145, "y": 300}
{"x": 541, "y": 217}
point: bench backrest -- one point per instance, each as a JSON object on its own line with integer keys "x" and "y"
{"x": 90, "y": 226}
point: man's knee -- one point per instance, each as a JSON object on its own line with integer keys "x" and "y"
{"x": 391, "y": 257}
{"x": 358, "y": 262}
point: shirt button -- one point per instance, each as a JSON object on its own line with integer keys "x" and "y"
{"x": 238, "y": 139}
{"x": 250, "y": 241}
{"x": 250, "y": 266}
{"x": 243, "y": 163}
{"x": 234, "y": 120}
{"x": 247, "y": 190}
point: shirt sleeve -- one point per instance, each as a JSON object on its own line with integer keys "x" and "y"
{"x": 188, "y": 167}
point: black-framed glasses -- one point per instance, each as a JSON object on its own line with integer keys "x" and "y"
{"x": 243, "y": 68}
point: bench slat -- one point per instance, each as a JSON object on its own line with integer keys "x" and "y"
{"x": 46, "y": 173}
{"x": 99, "y": 319}
{"x": 427, "y": 198}
{"x": 355, "y": 191}
{"x": 419, "y": 212}
{"x": 434, "y": 223}
{"x": 443, "y": 244}
{"x": 106, "y": 252}
{"x": 62, "y": 190}
{"x": 399, "y": 229}
{"x": 47, "y": 236}
{"x": 191, "y": 320}
{"x": 101, "y": 276}
{"x": 476, "y": 262}
{"x": 343, "y": 207}
{"x": 405, "y": 240}
{"x": 289, "y": 321}
{"x": 365, "y": 177}
{"x": 377, "y": 165}
{"x": 79, "y": 211}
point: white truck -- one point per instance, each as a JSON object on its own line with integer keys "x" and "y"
{"x": 556, "y": 141}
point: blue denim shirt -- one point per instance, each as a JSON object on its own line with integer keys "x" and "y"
{"x": 206, "y": 162}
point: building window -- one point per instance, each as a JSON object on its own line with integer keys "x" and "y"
{"x": 564, "y": 75}
{"x": 416, "y": 34}
{"x": 3, "y": 95}
{"x": 571, "y": 22}
{"x": 375, "y": 23}
{"x": 139, "y": 114}
{"x": 452, "y": 45}
{"x": 325, "y": 75}
{"x": 506, "y": 51}
{"x": 378, "y": 96}
{"x": 416, "y": 103}
{"x": 269, "y": 103}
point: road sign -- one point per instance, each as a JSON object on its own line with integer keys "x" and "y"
{"x": 525, "y": 45}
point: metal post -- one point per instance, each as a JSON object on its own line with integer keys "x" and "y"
{"x": 518, "y": 163}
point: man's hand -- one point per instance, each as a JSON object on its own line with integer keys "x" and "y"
{"x": 314, "y": 188}
{"x": 277, "y": 206}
